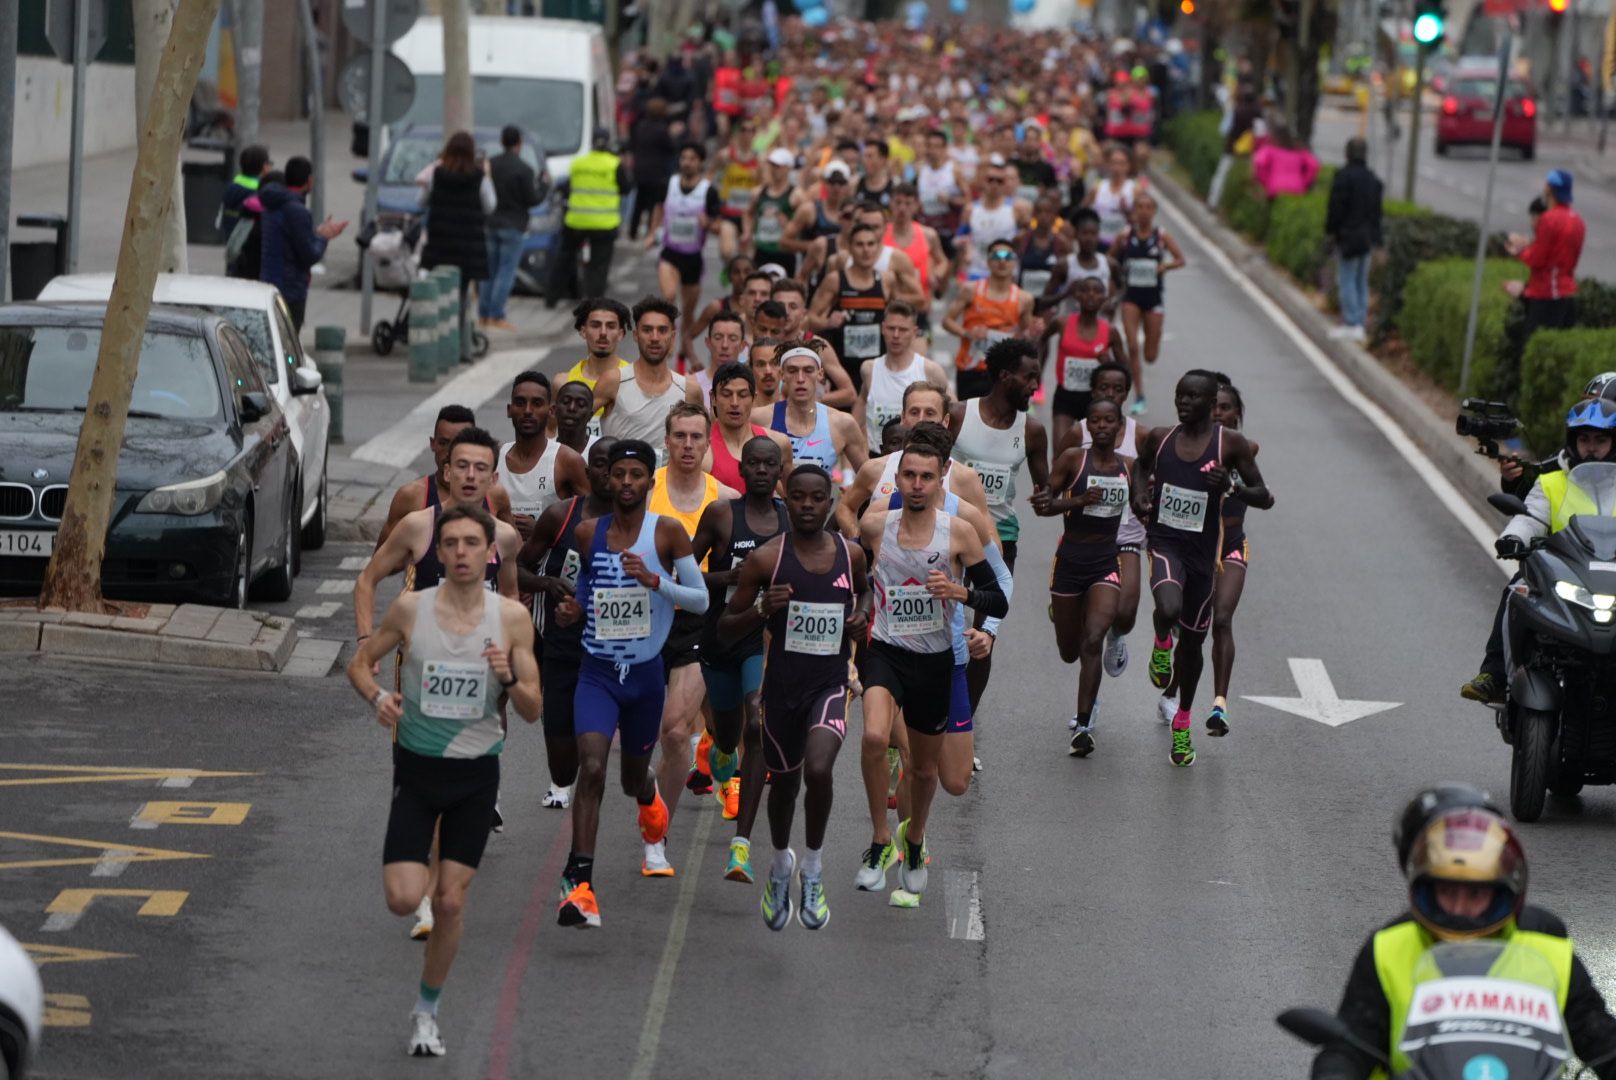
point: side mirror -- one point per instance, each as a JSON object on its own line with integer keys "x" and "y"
{"x": 253, "y": 406}
{"x": 1321, "y": 1028}
{"x": 306, "y": 380}
{"x": 361, "y": 174}
{"x": 1507, "y": 504}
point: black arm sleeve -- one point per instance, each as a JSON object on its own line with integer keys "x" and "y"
{"x": 1592, "y": 1028}
{"x": 1366, "y": 1012}
{"x": 983, "y": 593}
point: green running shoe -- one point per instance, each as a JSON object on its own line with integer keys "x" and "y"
{"x": 872, "y": 871}
{"x": 1217, "y": 724}
{"x": 1183, "y": 753}
{"x": 1161, "y": 666}
{"x": 740, "y": 862}
{"x": 722, "y": 765}
{"x": 813, "y": 912}
{"x": 776, "y": 903}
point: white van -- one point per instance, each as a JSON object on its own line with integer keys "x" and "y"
{"x": 550, "y": 77}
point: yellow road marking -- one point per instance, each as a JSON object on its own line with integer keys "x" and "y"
{"x": 63, "y": 954}
{"x": 100, "y": 774}
{"x": 67, "y": 1010}
{"x": 135, "y": 853}
{"x": 154, "y": 814}
{"x": 70, "y": 905}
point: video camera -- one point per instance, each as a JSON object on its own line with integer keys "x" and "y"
{"x": 1486, "y": 422}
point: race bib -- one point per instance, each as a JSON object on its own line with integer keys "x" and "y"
{"x": 979, "y": 349}
{"x": 623, "y": 614}
{"x": 814, "y": 629}
{"x": 682, "y": 231}
{"x": 1113, "y": 497}
{"x": 1027, "y": 193}
{"x": 1077, "y": 373}
{"x": 740, "y": 199}
{"x": 1143, "y": 273}
{"x": 453, "y": 689}
{"x": 882, "y": 415}
{"x": 1181, "y": 508}
{"x": 593, "y": 427}
{"x": 1113, "y": 223}
{"x": 569, "y": 570}
{"x": 933, "y": 205}
{"x": 912, "y": 611}
{"x": 861, "y": 341}
{"x": 770, "y": 229}
{"x": 1035, "y": 281}
{"x": 996, "y": 479}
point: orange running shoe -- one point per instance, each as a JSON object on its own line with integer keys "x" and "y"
{"x": 579, "y": 908}
{"x": 654, "y": 821}
{"x": 729, "y": 796}
{"x": 703, "y": 748}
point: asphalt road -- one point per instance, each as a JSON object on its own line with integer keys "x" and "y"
{"x": 1107, "y": 917}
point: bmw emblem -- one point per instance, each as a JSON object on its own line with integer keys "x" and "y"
{"x": 40, "y": 474}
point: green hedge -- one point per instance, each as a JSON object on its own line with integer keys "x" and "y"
{"x": 1436, "y": 305}
{"x": 1557, "y": 365}
{"x": 1243, "y": 203}
{"x": 1411, "y": 241}
{"x": 1196, "y": 144}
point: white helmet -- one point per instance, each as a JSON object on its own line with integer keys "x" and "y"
{"x": 22, "y": 1002}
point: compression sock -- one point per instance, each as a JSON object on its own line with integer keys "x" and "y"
{"x": 1181, "y": 720}
{"x": 810, "y": 860}
{"x": 782, "y": 862}
{"x": 427, "y": 1000}
{"x": 1164, "y": 643}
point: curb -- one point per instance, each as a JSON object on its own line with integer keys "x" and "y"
{"x": 359, "y": 529}
{"x": 355, "y": 346}
{"x": 190, "y": 636}
{"x": 1453, "y": 456}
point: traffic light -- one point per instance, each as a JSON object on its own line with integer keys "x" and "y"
{"x": 1559, "y": 6}
{"x": 1430, "y": 17}
{"x": 1186, "y": 7}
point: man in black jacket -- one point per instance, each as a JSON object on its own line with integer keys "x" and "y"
{"x": 517, "y": 189}
{"x": 1353, "y": 224}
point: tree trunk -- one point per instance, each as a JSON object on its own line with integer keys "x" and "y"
{"x": 247, "y": 37}
{"x": 73, "y": 576}
{"x": 153, "y": 21}
{"x": 457, "y": 103}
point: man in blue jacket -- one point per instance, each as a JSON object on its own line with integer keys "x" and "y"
{"x": 292, "y": 242}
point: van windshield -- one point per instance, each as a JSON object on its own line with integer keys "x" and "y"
{"x": 552, "y": 109}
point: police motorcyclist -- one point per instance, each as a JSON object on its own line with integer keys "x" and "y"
{"x": 1467, "y": 880}
{"x": 22, "y": 1003}
{"x": 1590, "y": 429}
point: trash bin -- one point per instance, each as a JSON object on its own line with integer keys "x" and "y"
{"x": 35, "y": 262}
{"x": 204, "y": 186}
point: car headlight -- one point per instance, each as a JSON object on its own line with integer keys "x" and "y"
{"x": 1571, "y": 592}
{"x": 188, "y": 499}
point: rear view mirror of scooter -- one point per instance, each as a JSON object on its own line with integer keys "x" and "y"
{"x": 1322, "y": 1028}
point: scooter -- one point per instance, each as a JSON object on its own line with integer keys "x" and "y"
{"x": 1560, "y": 629}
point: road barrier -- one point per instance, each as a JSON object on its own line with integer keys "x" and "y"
{"x": 451, "y": 347}
{"x": 424, "y": 330}
{"x": 328, "y": 357}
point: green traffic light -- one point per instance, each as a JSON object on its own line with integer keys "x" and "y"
{"x": 1428, "y": 28}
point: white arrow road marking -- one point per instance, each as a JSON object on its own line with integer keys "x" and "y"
{"x": 1318, "y": 699}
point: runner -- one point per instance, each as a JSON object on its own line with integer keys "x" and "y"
{"x": 820, "y": 219}
{"x": 1180, "y": 482}
{"x": 874, "y": 484}
{"x": 736, "y": 172}
{"x": 985, "y": 313}
{"x": 680, "y": 225}
{"x": 1085, "y": 582}
{"x": 1042, "y": 246}
{"x": 817, "y": 434}
{"x": 626, "y": 594}
{"x": 994, "y": 435}
{"x": 762, "y": 359}
{"x": 1083, "y": 340}
{"x": 535, "y": 469}
{"x": 838, "y": 391}
{"x": 548, "y": 568}
{"x": 434, "y": 489}
{"x": 601, "y": 322}
{"x": 994, "y": 217}
{"x": 458, "y": 642}
{"x": 1085, "y": 261}
{"x": 910, "y": 660}
{"x": 883, "y": 380}
{"x": 921, "y": 245}
{"x": 906, "y": 275}
{"x": 1034, "y": 173}
{"x": 574, "y": 414}
{"x": 941, "y": 188}
{"x": 737, "y": 268}
{"x": 810, "y": 589}
{"x": 734, "y": 393}
{"x": 728, "y": 532}
{"x": 635, "y": 404}
{"x": 773, "y": 209}
{"x": 726, "y": 344}
{"x": 850, "y": 301}
{"x": 876, "y": 182}
{"x": 1113, "y": 197}
{"x": 1138, "y": 255}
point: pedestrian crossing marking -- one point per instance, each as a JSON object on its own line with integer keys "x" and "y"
{"x": 319, "y": 611}
{"x": 354, "y": 562}
{"x": 336, "y": 587}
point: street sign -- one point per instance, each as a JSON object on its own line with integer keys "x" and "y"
{"x": 401, "y": 15}
{"x": 59, "y": 27}
{"x": 398, "y": 88}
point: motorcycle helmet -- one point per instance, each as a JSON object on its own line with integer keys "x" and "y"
{"x": 22, "y": 1003}
{"x": 1426, "y": 805}
{"x": 1602, "y": 385}
{"x": 1466, "y": 846}
{"x": 1597, "y": 415}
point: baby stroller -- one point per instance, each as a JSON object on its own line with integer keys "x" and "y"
{"x": 395, "y": 258}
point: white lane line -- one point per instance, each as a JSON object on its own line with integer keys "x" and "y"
{"x": 176, "y": 781}
{"x": 354, "y": 562}
{"x": 1424, "y": 468}
{"x": 319, "y": 611}
{"x": 139, "y": 822}
{"x": 59, "y": 921}
{"x": 962, "y": 905}
{"x": 112, "y": 863}
{"x": 336, "y": 586}
{"x": 401, "y": 444}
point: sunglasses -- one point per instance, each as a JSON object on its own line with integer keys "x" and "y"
{"x": 1001, "y": 256}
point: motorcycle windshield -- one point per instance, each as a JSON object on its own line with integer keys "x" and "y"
{"x": 1597, "y": 482}
{"x": 1485, "y": 1009}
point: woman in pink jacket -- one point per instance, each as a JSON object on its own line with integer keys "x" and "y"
{"x": 1281, "y": 167}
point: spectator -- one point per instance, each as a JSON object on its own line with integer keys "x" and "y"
{"x": 517, "y": 189}
{"x": 1552, "y": 255}
{"x": 249, "y": 254}
{"x": 1281, "y": 167}
{"x": 1353, "y": 225}
{"x": 235, "y": 221}
{"x": 290, "y": 242}
{"x": 1239, "y": 137}
{"x": 458, "y": 196}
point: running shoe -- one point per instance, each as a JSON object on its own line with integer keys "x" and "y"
{"x": 1072, "y": 725}
{"x": 656, "y": 862}
{"x": 1217, "y": 724}
{"x": 976, "y": 764}
{"x": 1116, "y": 654}
{"x": 423, "y": 920}
{"x": 424, "y": 1038}
{"x": 776, "y": 903}
{"x": 894, "y": 776}
{"x": 925, "y": 845}
{"x": 579, "y": 908}
{"x": 558, "y": 798}
{"x": 1167, "y": 708}
{"x": 1183, "y": 753}
{"x": 911, "y": 879}
{"x": 729, "y": 797}
{"x": 721, "y": 765}
{"x": 872, "y": 873}
{"x": 1161, "y": 666}
{"x": 498, "y": 824}
{"x": 699, "y": 783}
{"x": 813, "y": 912}
{"x": 1137, "y": 408}
{"x": 1485, "y": 688}
{"x": 654, "y": 821}
{"x": 1082, "y": 742}
{"x": 740, "y": 862}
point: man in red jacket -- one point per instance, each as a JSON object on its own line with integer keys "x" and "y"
{"x": 1551, "y": 289}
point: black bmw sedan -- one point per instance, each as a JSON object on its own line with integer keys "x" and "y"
{"x": 205, "y": 508}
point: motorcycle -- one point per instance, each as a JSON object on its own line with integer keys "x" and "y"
{"x": 1560, "y": 631}
{"x": 1481, "y": 1010}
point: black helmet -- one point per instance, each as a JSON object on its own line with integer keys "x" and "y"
{"x": 1427, "y": 805}
{"x": 1602, "y": 385}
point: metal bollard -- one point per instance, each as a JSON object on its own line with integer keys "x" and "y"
{"x": 423, "y": 331}
{"x": 452, "y": 348}
{"x": 328, "y": 357}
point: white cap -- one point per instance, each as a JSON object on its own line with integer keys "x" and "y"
{"x": 838, "y": 167}
{"x": 782, "y": 157}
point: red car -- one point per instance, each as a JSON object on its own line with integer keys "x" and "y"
{"x": 1466, "y": 116}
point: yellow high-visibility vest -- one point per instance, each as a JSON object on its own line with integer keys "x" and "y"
{"x": 594, "y": 202}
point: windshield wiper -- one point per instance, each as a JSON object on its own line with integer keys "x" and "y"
{"x": 142, "y": 414}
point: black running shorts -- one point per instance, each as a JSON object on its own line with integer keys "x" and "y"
{"x": 920, "y": 683}
{"x": 455, "y": 794}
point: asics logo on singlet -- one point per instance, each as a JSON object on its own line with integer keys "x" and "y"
{"x": 933, "y": 556}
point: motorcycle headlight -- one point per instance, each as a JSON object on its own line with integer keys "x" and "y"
{"x": 188, "y": 499}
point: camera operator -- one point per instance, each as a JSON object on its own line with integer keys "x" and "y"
{"x": 1517, "y": 475}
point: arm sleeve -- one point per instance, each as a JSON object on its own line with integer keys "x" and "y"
{"x": 1366, "y": 1013}
{"x": 983, "y": 593}
{"x": 1592, "y": 1028}
{"x": 1001, "y": 573}
{"x": 690, "y": 591}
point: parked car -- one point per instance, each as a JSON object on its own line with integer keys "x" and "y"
{"x": 1466, "y": 116}
{"x": 204, "y": 508}
{"x": 257, "y": 310}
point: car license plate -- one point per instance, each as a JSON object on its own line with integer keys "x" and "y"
{"x": 27, "y": 542}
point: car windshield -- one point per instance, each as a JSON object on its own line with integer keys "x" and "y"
{"x": 407, "y": 156}
{"x": 48, "y": 369}
{"x": 1486, "y": 88}
{"x": 254, "y": 326}
{"x": 551, "y": 109}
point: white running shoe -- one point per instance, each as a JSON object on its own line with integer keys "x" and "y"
{"x": 656, "y": 860}
{"x": 498, "y": 824}
{"x": 558, "y": 798}
{"x": 976, "y": 764}
{"x": 1166, "y": 709}
{"x": 1116, "y": 654}
{"x": 425, "y": 1040}
{"x": 423, "y": 920}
